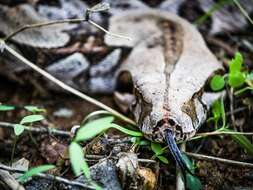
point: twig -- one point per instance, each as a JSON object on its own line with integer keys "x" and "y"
{"x": 224, "y": 133}
{"x": 97, "y": 157}
{"x": 38, "y": 25}
{"x": 38, "y": 129}
{"x": 202, "y": 135}
{"x": 66, "y": 87}
{"x": 47, "y": 176}
{"x": 180, "y": 185}
{"x": 87, "y": 14}
{"x": 244, "y": 12}
{"x": 222, "y": 160}
{"x": 107, "y": 32}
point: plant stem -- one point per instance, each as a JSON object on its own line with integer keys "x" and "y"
{"x": 66, "y": 87}
{"x": 13, "y": 149}
{"x": 244, "y": 12}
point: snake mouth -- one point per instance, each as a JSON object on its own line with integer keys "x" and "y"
{"x": 174, "y": 150}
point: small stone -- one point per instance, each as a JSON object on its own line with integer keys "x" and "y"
{"x": 171, "y": 5}
{"x": 104, "y": 173}
{"x": 70, "y": 67}
{"x": 107, "y": 64}
{"x": 117, "y": 7}
{"x": 63, "y": 112}
{"x": 104, "y": 85}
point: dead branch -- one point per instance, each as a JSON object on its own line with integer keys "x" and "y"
{"x": 222, "y": 160}
{"x": 38, "y": 129}
{"x": 47, "y": 176}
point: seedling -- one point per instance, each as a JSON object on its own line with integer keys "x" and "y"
{"x": 218, "y": 112}
{"x": 35, "y": 171}
{"x": 158, "y": 150}
{"x": 20, "y": 127}
{"x": 236, "y": 77}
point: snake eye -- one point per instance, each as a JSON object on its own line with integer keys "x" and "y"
{"x": 171, "y": 122}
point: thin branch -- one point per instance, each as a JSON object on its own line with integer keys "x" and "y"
{"x": 48, "y": 176}
{"x": 244, "y": 12}
{"x": 180, "y": 185}
{"x": 38, "y": 129}
{"x": 98, "y": 157}
{"x": 38, "y": 25}
{"x": 69, "y": 21}
{"x": 107, "y": 32}
{"x": 222, "y": 160}
{"x": 66, "y": 87}
{"x": 223, "y": 133}
{"x": 202, "y": 135}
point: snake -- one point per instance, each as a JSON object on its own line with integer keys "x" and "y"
{"x": 169, "y": 66}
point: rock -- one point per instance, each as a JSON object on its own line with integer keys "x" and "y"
{"x": 70, "y": 67}
{"x": 132, "y": 176}
{"x": 7, "y": 181}
{"x": 22, "y": 164}
{"x": 102, "y": 74}
{"x": 63, "y": 112}
{"x": 229, "y": 17}
{"x": 171, "y": 5}
{"x": 69, "y": 9}
{"x": 119, "y": 6}
{"x": 47, "y": 37}
{"x": 102, "y": 85}
{"x": 103, "y": 173}
{"x": 128, "y": 166}
{"x": 106, "y": 65}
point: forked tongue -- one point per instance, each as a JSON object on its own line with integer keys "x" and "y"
{"x": 176, "y": 153}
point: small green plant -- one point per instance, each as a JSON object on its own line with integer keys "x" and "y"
{"x": 236, "y": 77}
{"x": 6, "y": 108}
{"x": 34, "y": 171}
{"x": 87, "y": 131}
{"x": 20, "y": 127}
{"x": 218, "y": 112}
{"x": 192, "y": 182}
{"x": 158, "y": 150}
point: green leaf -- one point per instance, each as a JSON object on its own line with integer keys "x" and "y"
{"x": 34, "y": 109}
{"x": 236, "y": 79}
{"x": 217, "y": 83}
{"x": 6, "y": 108}
{"x": 163, "y": 159}
{"x": 77, "y": 160}
{"x": 156, "y": 148}
{"x": 235, "y": 64}
{"x": 18, "y": 129}
{"x": 126, "y": 131}
{"x": 250, "y": 76}
{"x": 35, "y": 171}
{"x": 242, "y": 141}
{"x": 31, "y": 119}
{"x": 218, "y": 112}
{"x": 96, "y": 127}
{"x": 93, "y": 128}
{"x": 192, "y": 182}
